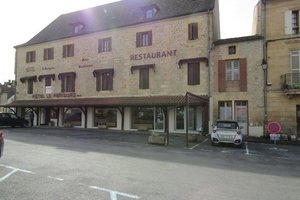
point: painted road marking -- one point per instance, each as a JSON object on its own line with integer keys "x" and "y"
{"x": 14, "y": 170}
{"x": 199, "y": 144}
{"x": 55, "y": 178}
{"x": 114, "y": 194}
{"x": 247, "y": 148}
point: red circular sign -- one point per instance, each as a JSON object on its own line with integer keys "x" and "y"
{"x": 274, "y": 127}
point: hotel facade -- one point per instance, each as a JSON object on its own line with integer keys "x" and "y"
{"x": 128, "y": 65}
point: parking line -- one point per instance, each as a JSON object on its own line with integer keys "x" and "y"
{"x": 55, "y": 178}
{"x": 113, "y": 194}
{"x": 247, "y": 149}
{"x": 198, "y": 144}
{"x": 14, "y": 170}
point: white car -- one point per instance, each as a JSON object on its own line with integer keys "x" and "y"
{"x": 227, "y": 131}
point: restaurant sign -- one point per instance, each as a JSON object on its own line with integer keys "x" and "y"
{"x": 153, "y": 55}
{"x": 55, "y": 95}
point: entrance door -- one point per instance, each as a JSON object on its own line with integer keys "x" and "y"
{"x": 298, "y": 119}
{"x": 241, "y": 115}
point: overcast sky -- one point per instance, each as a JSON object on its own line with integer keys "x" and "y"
{"x": 23, "y": 19}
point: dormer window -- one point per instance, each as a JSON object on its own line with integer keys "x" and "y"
{"x": 77, "y": 27}
{"x": 150, "y": 11}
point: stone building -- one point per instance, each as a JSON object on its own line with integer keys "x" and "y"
{"x": 279, "y": 23}
{"x": 128, "y": 65}
{"x": 237, "y": 79}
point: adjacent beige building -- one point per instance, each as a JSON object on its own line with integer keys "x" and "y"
{"x": 279, "y": 22}
{"x": 123, "y": 66}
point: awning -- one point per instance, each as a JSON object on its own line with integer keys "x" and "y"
{"x": 179, "y": 100}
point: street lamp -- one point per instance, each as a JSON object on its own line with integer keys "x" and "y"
{"x": 264, "y": 66}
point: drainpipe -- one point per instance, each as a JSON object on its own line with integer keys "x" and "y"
{"x": 265, "y": 65}
{"x": 209, "y": 88}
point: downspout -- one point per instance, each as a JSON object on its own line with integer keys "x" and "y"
{"x": 265, "y": 62}
{"x": 209, "y": 88}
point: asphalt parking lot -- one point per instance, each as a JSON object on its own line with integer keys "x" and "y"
{"x": 111, "y": 165}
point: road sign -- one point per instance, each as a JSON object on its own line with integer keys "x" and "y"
{"x": 274, "y": 128}
{"x": 275, "y": 137}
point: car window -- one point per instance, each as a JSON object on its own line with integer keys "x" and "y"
{"x": 227, "y": 125}
{"x": 13, "y": 116}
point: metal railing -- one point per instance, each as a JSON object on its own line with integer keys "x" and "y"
{"x": 290, "y": 81}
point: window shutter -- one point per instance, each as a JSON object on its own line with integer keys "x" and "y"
{"x": 222, "y": 76}
{"x": 243, "y": 75}
{"x": 190, "y": 31}
{"x": 98, "y": 82}
{"x": 72, "y": 50}
{"x": 288, "y": 22}
{"x": 109, "y": 45}
{"x": 64, "y": 51}
{"x": 100, "y": 49}
{"x": 195, "y": 31}
{"x": 138, "y": 39}
{"x": 150, "y": 38}
{"x": 27, "y": 57}
{"x": 63, "y": 84}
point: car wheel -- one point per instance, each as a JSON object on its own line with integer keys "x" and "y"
{"x": 212, "y": 144}
{"x": 24, "y": 125}
{"x": 240, "y": 146}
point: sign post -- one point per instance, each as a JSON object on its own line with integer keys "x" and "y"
{"x": 274, "y": 129}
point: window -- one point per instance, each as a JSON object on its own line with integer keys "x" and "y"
{"x": 49, "y": 54}
{"x": 144, "y": 78}
{"x": 232, "y": 75}
{"x": 30, "y": 56}
{"x": 30, "y": 86}
{"x": 150, "y": 13}
{"x": 194, "y": 73}
{"x": 225, "y": 110}
{"x": 232, "y": 70}
{"x": 295, "y": 66}
{"x": 180, "y": 118}
{"x": 144, "y": 39}
{"x": 142, "y": 116}
{"x": 193, "y": 31}
{"x": 105, "y": 116}
{"x": 104, "y": 79}
{"x": 72, "y": 116}
{"x": 295, "y": 22}
{"x": 232, "y": 50}
{"x": 104, "y": 45}
{"x": 292, "y": 22}
{"x": 68, "y": 50}
{"x": 67, "y": 81}
{"x": 78, "y": 27}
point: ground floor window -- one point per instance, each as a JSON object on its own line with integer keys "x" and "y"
{"x": 225, "y": 110}
{"x": 142, "y": 116}
{"x": 105, "y": 116}
{"x": 180, "y": 118}
{"x": 194, "y": 120}
{"x": 72, "y": 116}
{"x": 159, "y": 119}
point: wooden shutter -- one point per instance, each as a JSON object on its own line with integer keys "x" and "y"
{"x": 72, "y": 50}
{"x": 63, "y": 84}
{"x": 100, "y": 45}
{"x": 109, "y": 44}
{"x": 64, "y": 51}
{"x": 144, "y": 78}
{"x": 138, "y": 39}
{"x": 190, "y": 31}
{"x": 288, "y": 22}
{"x": 194, "y": 73}
{"x": 222, "y": 76}
{"x": 243, "y": 75}
{"x": 149, "y": 38}
{"x": 195, "y": 31}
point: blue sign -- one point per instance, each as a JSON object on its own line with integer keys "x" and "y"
{"x": 275, "y": 137}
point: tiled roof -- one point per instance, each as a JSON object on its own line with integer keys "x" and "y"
{"x": 238, "y": 39}
{"x": 178, "y": 100}
{"x": 116, "y": 15}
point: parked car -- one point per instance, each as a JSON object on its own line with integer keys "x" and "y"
{"x": 10, "y": 119}
{"x": 1, "y": 143}
{"x": 227, "y": 131}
